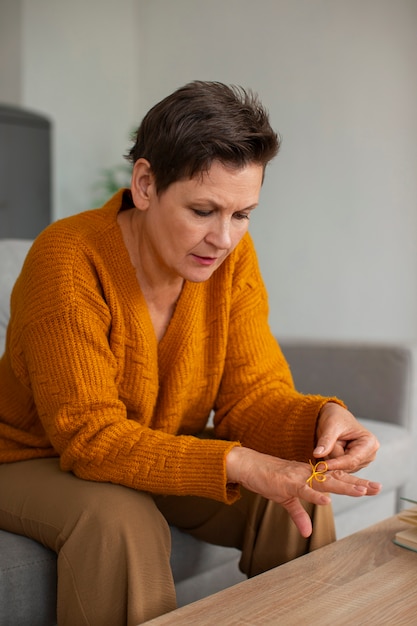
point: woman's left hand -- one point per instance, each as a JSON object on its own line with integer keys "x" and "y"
{"x": 342, "y": 441}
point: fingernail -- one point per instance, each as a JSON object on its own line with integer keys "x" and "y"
{"x": 319, "y": 450}
{"x": 361, "y": 488}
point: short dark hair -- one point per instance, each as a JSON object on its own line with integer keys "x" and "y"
{"x": 200, "y": 123}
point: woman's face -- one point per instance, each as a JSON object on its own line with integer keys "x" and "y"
{"x": 190, "y": 228}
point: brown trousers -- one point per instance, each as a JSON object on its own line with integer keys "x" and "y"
{"x": 113, "y": 543}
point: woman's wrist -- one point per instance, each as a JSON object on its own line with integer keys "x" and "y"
{"x": 233, "y": 462}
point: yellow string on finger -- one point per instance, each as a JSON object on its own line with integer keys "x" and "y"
{"x": 317, "y": 473}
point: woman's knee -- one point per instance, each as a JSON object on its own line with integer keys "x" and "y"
{"x": 118, "y": 513}
{"x": 57, "y": 504}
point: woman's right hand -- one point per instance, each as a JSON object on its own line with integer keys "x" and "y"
{"x": 287, "y": 482}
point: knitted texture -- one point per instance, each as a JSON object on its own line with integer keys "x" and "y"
{"x": 84, "y": 378}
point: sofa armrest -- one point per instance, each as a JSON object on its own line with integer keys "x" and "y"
{"x": 12, "y": 255}
{"x": 373, "y": 379}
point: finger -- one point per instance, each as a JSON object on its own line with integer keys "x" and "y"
{"x": 299, "y": 516}
{"x": 330, "y": 450}
{"x": 324, "y": 446}
{"x": 371, "y": 487}
{"x": 343, "y": 483}
{"x": 330, "y": 443}
{"x": 357, "y": 455}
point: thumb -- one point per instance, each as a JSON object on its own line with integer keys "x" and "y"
{"x": 323, "y": 447}
{"x": 326, "y": 445}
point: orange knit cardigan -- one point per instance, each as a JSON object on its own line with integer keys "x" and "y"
{"x": 84, "y": 378}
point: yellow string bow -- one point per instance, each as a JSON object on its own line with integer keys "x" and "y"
{"x": 316, "y": 473}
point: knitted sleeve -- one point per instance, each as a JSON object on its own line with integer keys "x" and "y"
{"x": 257, "y": 403}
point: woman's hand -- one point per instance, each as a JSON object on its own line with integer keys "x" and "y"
{"x": 342, "y": 441}
{"x": 286, "y": 482}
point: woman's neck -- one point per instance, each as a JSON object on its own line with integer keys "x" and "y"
{"x": 161, "y": 292}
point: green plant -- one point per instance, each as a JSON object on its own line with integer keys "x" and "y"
{"x": 111, "y": 180}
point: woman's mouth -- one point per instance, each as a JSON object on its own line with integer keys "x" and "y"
{"x": 204, "y": 260}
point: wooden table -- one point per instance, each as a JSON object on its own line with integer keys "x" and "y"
{"x": 363, "y": 579}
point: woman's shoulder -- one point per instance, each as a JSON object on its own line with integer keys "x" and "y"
{"x": 244, "y": 259}
{"x": 66, "y": 249}
{"x": 65, "y": 238}
{"x": 85, "y": 224}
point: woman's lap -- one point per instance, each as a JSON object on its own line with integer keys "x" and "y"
{"x": 40, "y": 501}
{"x": 112, "y": 542}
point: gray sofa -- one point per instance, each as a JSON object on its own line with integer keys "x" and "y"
{"x": 376, "y": 381}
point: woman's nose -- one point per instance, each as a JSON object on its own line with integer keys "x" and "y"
{"x": 220, "y": 235}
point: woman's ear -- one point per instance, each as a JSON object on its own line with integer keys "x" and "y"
{"x": 142, "y": 184}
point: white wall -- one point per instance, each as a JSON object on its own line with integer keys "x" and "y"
{"x": 10, "y": 51}
{"x": 337, "y": 228}
{"x": 80, "y": 68}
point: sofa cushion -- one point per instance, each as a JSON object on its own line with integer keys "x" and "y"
{"x": 27, "y": 582}
{"x": 28, "y": 575}
{"x": 190, "y": 557}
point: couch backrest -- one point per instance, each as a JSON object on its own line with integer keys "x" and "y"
{"x": 12, "y": 255}
{"x": 374, "y": 379}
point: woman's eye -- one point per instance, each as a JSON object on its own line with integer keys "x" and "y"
{"x": 242, "y": 216}
{"x": 200, "y": 213}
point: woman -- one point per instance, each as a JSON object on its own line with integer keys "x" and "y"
{"x": 129, "y": 325}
